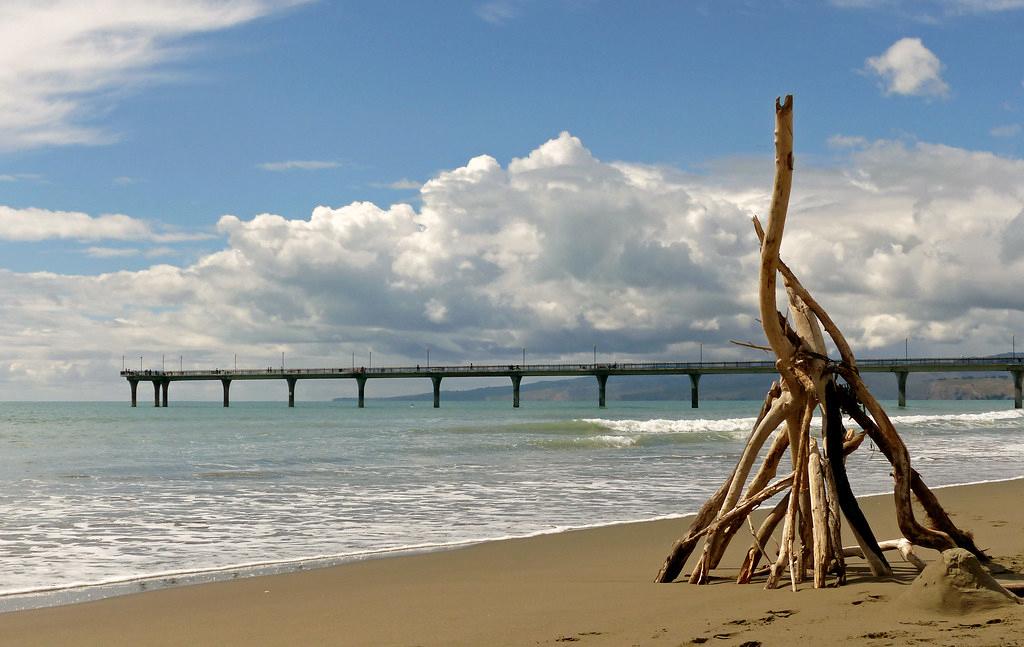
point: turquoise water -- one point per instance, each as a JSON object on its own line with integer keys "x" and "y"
{"x": 100, "y": 492}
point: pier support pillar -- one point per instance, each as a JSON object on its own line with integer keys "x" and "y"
{"x": 901, "y": 376}
{"x": 516, "y": 380}
{"x": 602, "y": 380}
{"x": 436, "y": 379}
{"x": 135, "y": 390}
{"x": 291, "y": 390}
{"x": 694, "y": 391}
{"x": 227, "y": 390}
{"x": 165, "y": 386}
{"x": 361, "y": 383}
{"x": 1018, "y": 383}
{"x": 156, "y": 393}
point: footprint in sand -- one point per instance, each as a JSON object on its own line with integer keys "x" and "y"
{"x": 869, "y": 597}
{"x": 879, "y": 635}
{"x": 577, "y": 637}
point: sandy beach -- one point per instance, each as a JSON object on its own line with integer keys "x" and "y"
{"x": 590, "y": 587}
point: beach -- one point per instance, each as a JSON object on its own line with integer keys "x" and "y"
{"x": 588, "y": 587}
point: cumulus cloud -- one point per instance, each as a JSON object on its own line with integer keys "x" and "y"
{"x": 33, "y": 224}
{"x": 909, "y": 68}
{"x": 557, "y": 251}
{"x": 299, "y": 165}
{"x": 62, "y": 61}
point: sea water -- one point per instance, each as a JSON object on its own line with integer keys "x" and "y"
{"x": 100, "y": 498}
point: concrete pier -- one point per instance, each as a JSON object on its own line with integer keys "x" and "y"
{"x": 516, "y": 380}
{"x": 902, "y": 367}
{"x": 901, "y": 377}
{"x": 361, "y": 383}
{"x": 436, "y": 379}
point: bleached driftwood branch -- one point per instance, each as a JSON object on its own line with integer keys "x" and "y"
{"x": 818, "y": 492}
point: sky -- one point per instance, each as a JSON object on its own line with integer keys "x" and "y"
{"x": 198, "y": 183}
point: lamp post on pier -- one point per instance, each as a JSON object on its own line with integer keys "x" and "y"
{"x": 428, "y": 356}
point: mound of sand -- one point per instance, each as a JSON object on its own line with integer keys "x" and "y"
{"x": 957, "y": 583}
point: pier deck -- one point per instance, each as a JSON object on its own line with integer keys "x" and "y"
{"x": 601, "y": 371}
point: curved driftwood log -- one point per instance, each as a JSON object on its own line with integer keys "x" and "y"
{"x": 781, "y": 188}
{"x": 936, "y": 513}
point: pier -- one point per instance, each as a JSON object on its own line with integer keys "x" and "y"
{"x": 902, "y": 368}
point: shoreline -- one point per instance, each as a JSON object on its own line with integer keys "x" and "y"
{"x": 591, "y": 585}
{"x": 91, "y": 591}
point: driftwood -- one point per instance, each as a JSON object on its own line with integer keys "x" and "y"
{"x": 905, "y": 548}
{"x": 817, "y": 493}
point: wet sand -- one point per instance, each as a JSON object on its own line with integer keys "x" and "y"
{"x": 587, "y": 587}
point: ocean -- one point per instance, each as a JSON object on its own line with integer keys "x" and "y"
{"x": 99, "y": 499}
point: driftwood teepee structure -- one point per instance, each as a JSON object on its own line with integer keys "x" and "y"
{"x": 816, "y": 486}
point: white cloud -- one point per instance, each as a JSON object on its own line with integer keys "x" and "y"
{"x": 62, "y": 61}
{"x": 40, "y": 224}
{"x": 299, "y": 165}
{"x": 497, "y": 12}
{"x": 909, "y": 68}
{"x": 404, "y": 185}
{"x": 157, "y": 252}
{"x": 949, "y": 7}
{"x": 20, "y": 177}
{"x": 555, "y": 252}
{"x": 111, "y": 252}
{"x": 846, "y": 141}
{"x": 33, "y": 224}
{"x": 982, "y": 6}
{"x": 1008, "y": 130}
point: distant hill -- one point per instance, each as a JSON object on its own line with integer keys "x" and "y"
{"x": 920, "y": 386}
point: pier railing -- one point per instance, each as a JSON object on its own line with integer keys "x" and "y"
{"x": 902, "y": 367}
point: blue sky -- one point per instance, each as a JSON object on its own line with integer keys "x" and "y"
{"x": 175, "y": 114}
